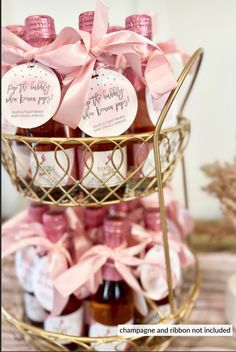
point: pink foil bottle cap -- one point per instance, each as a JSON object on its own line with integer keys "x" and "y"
{"x": 152, "y": 219}
{"x": 86, "y": 21}
{"x": 36, "y": 211}
{"x": 119, "y": 208}
{"x": 18, "y": 30}
{"x": 55, "y": 224}
{"x": 94, "y": 217}
{"x": 141, "y": 24}
{"x": 116, "y": 230}
{"x": 40, "y": 26}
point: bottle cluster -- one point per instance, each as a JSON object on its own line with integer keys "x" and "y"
{"x": 118, "y": 98}
{"x": 85, "y": 251}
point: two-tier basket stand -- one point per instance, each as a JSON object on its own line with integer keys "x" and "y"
{"x": 169, "y": 145}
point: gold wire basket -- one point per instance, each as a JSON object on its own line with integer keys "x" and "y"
{"x": 169, "y": 145}
{"x": 42, "y": 340}
{"x": 23, "y": 159}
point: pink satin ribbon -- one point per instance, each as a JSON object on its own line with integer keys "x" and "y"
{"x": 158, "y": 75}
{"x": 124, "y": 259}
{"x": 170, "y": 47}
{"x": 32, "y": 234}
{"x": 141, "y": 234}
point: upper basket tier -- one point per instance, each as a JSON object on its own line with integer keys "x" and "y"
{"x": 156, "y": 156}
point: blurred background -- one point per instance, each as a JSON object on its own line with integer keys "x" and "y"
{"x": 211, "y": 108}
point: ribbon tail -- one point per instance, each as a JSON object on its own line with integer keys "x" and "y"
{"x": 78, "y": 275}
{"x": 59, "y": 303}
{"x": 100, "y": 23}
{"x": 158, "y": 74}
{"x": 73, "y": 103}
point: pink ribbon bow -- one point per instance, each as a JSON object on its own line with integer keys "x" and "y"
{"x": 90, "y": 263}
{"x": 32, "y": 234}
{"x": 142, "y": 234}
{"x": 15, "y": 51}
{"x": 158, "y": 74}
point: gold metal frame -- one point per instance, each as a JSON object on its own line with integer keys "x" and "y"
{"x": 165, "y": 160}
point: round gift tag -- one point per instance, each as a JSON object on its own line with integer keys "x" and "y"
{"x": 153, "y": 281}
{"x": 42, "y": 284}
{"x": 111, "y": 106}
{"x": 31, "y": 94}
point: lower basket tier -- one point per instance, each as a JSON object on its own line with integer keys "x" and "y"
{"x": 41, "y": 340}
{"x": 92, "y": 172}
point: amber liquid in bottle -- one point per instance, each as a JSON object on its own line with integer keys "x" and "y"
{"x": 104, "y": 159}
{"x": 56, "y": 166}
{"x": 70, "y": 320}
{"x": 140, "y": 153}
{"x": 113, "y": 302}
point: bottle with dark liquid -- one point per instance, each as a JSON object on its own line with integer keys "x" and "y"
{"x": 55, "y": 165}
{"x": 25, "y": 261}
{"x": 70, "y": 321}
{"x": 98, "y": 167}
{"x": 113, "y": 302}
{"x": 140, "y": 153}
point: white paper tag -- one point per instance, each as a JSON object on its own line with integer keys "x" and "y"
{"x": 42, "y": 284}
{"x": 25, "y": 262}
{"x": 70, "y": 324}
{"x": 22, "y": 159}
{"x": 58, "y": 165}
{"x": 34, "y": 311}
{"x": 31, "y": 95}
{"x": 111, "y": 106}
{"x": 155, "y": 108}
{"x": 99, "y": 330}
{"x": 102, "y": 165}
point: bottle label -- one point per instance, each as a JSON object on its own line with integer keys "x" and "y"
{"x": 25, "y": 262}
{"x": 99, "y": 330}
{"x": 42, "y": 284}
{"x": 53, "y": 167}
{"x": 22, "y": 159}
{"x": 155, "y": 107}
{"x": 31, "y": 95}
{"x": 70, "y": 324}
{"x": 105, "y": 168}
{"x": 144, "y": 155}
{"x": 34, "y": 311}
{"x": 111, "y": 106}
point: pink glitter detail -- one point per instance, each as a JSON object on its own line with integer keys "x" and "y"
{"x": 116, "y": 230}
{"x": 55, "y": 224}
{"x": 86, "y": 21}
{"x": 39, "y": 26}
{"x": 152, "y": 219}
{"x": 141, "y": 24}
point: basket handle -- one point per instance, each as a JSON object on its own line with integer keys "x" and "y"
{"x": 196, "y": 58}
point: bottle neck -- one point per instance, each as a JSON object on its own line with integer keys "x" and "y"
{"x": 40, "y": 42}
{"x": 152, "y": 219}
{"x": 110, "y": 273}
